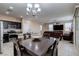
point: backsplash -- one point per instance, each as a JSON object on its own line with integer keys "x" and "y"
{"x": 16, "y": 30}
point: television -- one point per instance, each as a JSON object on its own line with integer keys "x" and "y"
{"x": 58, "y": 27}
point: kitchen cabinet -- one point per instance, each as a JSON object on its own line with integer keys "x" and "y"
{"x": 9, "y": 24}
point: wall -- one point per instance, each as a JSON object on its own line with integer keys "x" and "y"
{"x": 50, "y": 27}
{"x": 77, "y": 31}
{"x": 45, "y": 27}
{"x": 30, "y": 26}
{"x": 74, "y": 30}
{"x": 76, "y": 27}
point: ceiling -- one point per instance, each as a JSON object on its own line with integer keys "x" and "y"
{"x": 50, "y": 11}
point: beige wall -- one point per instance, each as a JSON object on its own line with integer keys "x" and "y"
{"x": 45, "y": 27}
{"x": 30, "y": 26}
{"x": 76, "y": 28}
{"x": 77, "y": 31}
{"x": 74, "y": 31}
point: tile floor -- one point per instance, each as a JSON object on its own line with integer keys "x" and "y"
{"x": 7, "y": 49}
{"x": 65, "y": 48}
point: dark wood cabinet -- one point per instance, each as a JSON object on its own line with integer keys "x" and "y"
{"x": 9, "y": 24}
{"x": 18, "y": 26}
{"x": 5, "y": 38}
{"x": 5, "y": 25}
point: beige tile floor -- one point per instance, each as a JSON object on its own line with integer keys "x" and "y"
{"x": 65, "y": 48}
{"x": 7, "y": 49}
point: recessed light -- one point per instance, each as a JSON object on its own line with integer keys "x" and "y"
{"x": 7, "y": 12}
{"x": 11, "y": 7}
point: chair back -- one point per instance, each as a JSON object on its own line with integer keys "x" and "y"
{"x": 17, "y": 51}
{"x": 54, "y": 49}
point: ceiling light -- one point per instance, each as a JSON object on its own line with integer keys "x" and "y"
{"x": 29, "y": 5}
{"x": 28, "y": 9}
{"x": 33, "y": 9}
{"x": 36, "y": 5}
{"x": 38, "y": 9}
{"x": 34, "y": 12}
{"x": 11, "y": 7}
{"x": 7, "y": 12}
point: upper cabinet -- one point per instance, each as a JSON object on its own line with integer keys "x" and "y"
{"x": 5, "y": 25}
{"x": 18, "y": 26}
{"x": 11, "y": 25}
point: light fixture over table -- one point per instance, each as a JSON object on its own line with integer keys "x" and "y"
{"x": 33, "y": 9}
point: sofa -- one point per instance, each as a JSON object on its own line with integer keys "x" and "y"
{"x": 55, "y": 34}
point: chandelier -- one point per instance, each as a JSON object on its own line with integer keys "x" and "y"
{"x": 33, "y": 9}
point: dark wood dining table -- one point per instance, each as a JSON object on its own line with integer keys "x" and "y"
{"x": 38, "y": 48}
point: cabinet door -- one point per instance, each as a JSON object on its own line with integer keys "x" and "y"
{"x": 18, "y": 26}
{"x": 5, "y": 25}
{"x": 8, "y": 24}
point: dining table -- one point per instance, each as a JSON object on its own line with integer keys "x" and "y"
{"x": 38, "y": 47}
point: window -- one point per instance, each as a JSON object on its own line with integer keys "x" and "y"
{"x": 50, "y": 27}
{"x": 68, "y": 26}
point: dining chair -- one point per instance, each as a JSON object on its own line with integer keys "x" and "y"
{"x": 27, "y": 36}
{"x": 17, "y": 51}
{"x": 55, "y": 49}
{"x": 20, "y": 49}
{"x": 52, "y": 50}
